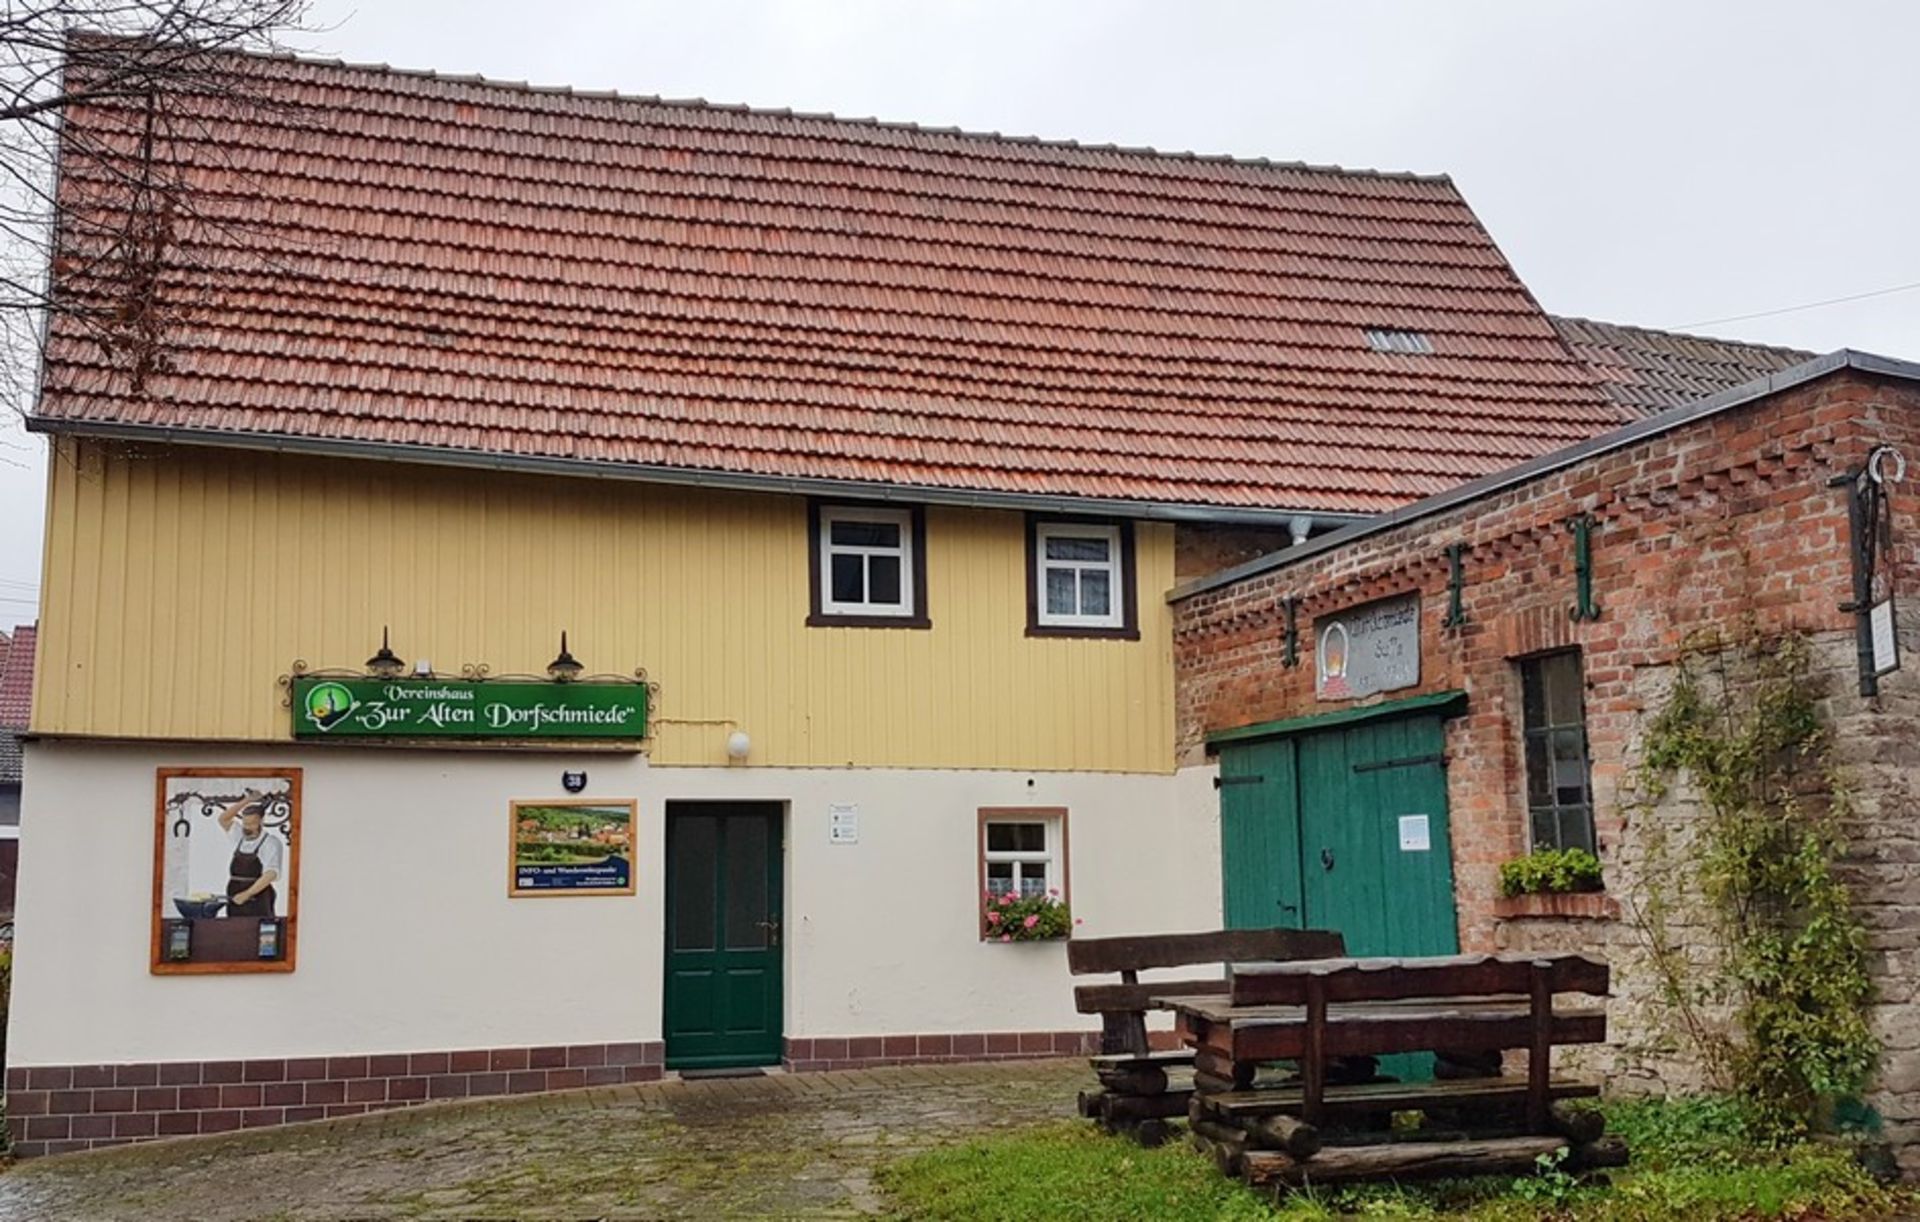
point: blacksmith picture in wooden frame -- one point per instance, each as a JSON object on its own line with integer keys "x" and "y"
{"x": 572, "y": 846}
{"x": 226, "y": 870}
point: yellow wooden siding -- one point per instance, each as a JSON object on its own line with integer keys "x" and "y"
{"x": 181, "y": 583}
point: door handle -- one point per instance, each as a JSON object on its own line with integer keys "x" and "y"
{"x": 1326, "y": 859}
{"x": 772, "y": 930}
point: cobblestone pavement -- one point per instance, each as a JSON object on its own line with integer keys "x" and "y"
{"x": 782, "y": 1146}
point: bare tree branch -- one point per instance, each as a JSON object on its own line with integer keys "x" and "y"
{"x": 106, "y": 108}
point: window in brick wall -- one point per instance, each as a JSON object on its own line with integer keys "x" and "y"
{"x": 1559, "y": 782}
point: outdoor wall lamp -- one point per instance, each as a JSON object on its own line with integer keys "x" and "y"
{"x": 738, "y": 744}
{"x": 386, "y": 664}
{"x": 565, "y": 668}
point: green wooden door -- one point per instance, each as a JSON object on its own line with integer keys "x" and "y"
{"x": 1363, "y": 873}
{"x": 1376, "y": 861}
{"x": 723, "y": 989}
{"x": 1260, "y": 836}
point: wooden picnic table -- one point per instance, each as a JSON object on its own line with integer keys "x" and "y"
{"x": 1313, "y": 1011}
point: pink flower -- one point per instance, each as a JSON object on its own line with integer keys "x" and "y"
{"x": 1006, "y": 937}
{"x": 1008, "y": 898}
{"x": 1051, "y": 891}
{"x": 1032, "y": 920}
{"x": 1078, "y": 921}
{"x": 993, "y": 918}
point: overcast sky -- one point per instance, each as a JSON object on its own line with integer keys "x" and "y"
{"x": 1667, "y": 163}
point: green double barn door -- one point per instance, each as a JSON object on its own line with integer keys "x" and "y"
{"x": 1343, "y": 828}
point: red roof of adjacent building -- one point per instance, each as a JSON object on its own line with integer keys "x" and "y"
{"x": 16, "y": 679}
{"x": 486, "y": 269}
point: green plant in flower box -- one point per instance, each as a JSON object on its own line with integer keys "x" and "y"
{"x": 1550, "y": 872}
{"x": 1026, "y": 918}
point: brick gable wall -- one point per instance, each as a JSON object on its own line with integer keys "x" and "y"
{"x": 1728, "y": 523}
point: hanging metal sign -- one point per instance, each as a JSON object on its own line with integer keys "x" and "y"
{"x": 1870, "y": 531}
{"x": 1886, "y": 646}
{"x": 451, "y": 708}
{"x": 1363, "y": 650}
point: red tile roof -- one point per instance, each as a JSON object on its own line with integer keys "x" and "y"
{"x": 452, "y": 263}
{"x": 1648, "y": 371}
{"x": 16, "y": 679}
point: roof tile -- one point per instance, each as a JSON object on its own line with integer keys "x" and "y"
{"x": 1648, "y": 371}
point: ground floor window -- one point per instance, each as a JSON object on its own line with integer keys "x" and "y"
{"x": 1023, "y": 853}
{"x": 1559, "y": 783}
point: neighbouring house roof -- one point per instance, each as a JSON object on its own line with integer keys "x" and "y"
{"x": 1648, "y": 371}
{"x": 16, "y": 679}
{"x": 463, "y": 270}
{"x": 1650, "y": 426}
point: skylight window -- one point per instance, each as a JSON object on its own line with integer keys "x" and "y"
{"x": 1407, "y": 343}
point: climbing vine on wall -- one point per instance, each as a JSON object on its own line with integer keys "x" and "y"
{"x": 1742, "y": 726}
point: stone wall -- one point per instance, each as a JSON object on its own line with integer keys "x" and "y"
{"x": 1724, "y": 524}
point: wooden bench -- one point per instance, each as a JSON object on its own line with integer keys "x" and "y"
{"x": 1313, "y": 1012}
{"x": 1133, "y": 1096}
{"x": 1123, "y": 1007}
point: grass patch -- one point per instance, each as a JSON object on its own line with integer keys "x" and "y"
{"x": 1693, "y": 1162}
{"x": 1065, "y": 1170}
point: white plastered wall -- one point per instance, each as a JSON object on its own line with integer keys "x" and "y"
{"x": 408, "y": 940}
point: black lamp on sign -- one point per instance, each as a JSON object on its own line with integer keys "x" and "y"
{"x": 386, "y": 664}
{"x": 565, "y": 668}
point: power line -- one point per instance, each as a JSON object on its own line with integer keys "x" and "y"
{"x": 1795, "y": 309}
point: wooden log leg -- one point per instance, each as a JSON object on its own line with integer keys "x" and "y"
{"x": 1135, "y": 1021}
{"x": 1540, "y": 1052}
{"x": 1123, "y": 1032}
{"x": 1090, "y": 1102}
{"x": 1579, "y": 1125}
{"x": 1134, "y": 1080}
{"x": 1131, "y": 1108}
{"x": 1281, "y": 1132}
{"x": 1226, "y": 1146}
{"x": 1408, "y": 1160}
{"x": 1313, "y": 1062}
{"x": 1152, "y": 1133}
{"x": 1605, "y": 1152}
{"x": 1240, "y": 1073}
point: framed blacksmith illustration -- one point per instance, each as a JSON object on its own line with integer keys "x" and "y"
{"x": 572, "y": 846}
{"x": 226, "y": 869}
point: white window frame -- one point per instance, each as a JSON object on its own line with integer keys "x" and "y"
{"x": 1050, "y": 856}
{"x": 1112, "y": 566}
{"x": 903, "y": 518}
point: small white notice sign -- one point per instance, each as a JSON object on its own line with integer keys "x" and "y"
{"x": 843, "y": 823}
{"x": 1414, "y": 836}
{"x": 1886, "y": 648}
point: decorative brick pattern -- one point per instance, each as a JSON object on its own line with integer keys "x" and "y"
{"x": 57, "y": 1109}
{"x": 805, "y": 1054}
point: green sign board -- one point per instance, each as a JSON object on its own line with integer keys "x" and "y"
{"x": 451, "y": 708}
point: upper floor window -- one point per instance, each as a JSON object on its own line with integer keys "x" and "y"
{"x": 1559, "y": 784}
{"x": 868, "y": 566}
{"x": 1080, "y": 579}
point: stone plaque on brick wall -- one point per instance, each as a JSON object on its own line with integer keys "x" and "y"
{"x": 1368, "y": 649}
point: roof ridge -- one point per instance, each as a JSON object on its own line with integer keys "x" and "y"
{"x": 787, "y": 112}
{"x": 1782, "y": 349}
